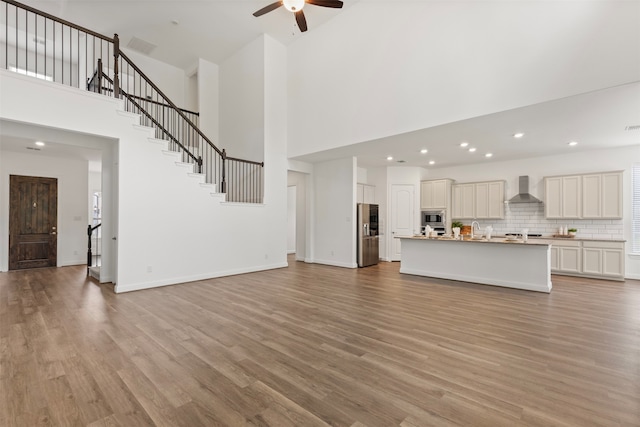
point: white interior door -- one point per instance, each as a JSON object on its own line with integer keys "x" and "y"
{"x": 402, "y": 217}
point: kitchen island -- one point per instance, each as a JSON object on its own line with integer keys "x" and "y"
{"x": 498, "y": 262}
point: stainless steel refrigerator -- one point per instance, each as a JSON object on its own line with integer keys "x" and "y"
{"x": 367, "y": 233}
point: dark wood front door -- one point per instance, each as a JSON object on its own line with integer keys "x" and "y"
{"x": 33, "y": 212}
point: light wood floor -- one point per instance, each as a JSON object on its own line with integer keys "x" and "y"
{"x": 312, "y": 345}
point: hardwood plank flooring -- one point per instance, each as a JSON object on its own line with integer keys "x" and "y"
{"x": 313, "y": 345}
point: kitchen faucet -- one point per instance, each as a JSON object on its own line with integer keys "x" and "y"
{"x": 474, "y": 224}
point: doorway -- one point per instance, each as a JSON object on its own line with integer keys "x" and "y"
{"x": 291, "y": 219}
{"x": 33, "y": 220}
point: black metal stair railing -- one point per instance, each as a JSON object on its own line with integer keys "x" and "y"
{"x": 93, "y": 258}
{"x": 44, "y": 46}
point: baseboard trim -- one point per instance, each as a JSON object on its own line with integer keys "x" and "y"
{"x": 70, "y": 262}
{"x": 335, "y": 263}
{"x": 186, "y": 279}
{"x": 543, "y": 287}
{"x": 291, "y": 252}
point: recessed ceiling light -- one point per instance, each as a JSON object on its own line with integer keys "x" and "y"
{"x": 389, "y": 157}
{"x": 489, "y": 155}
{"x": 424, "y": 151}
{"x": 518, "y": 135}
{"x": 432, "y": 162}
{"x": 471, "y": 150}
{"x": 573, "y": 143}
{"x": 40, "y": 143}
{"x": 464, "y": 144}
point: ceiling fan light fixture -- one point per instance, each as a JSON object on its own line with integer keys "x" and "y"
{"x": 293, "y": 5}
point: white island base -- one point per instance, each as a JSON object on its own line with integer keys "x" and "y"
{"x": 514, "y": 265}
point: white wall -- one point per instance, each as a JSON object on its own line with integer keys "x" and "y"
{"x": 165, "y": 222}
{"x": 427, "y": 63}
{"x": 242, "y": 91}
{"x": 72, "y": 176}
{"x": 570, "y": 163}
{"x": 291, "y": 219}
{"x": 191, "y": 98}
{"x": 335, "y": 212}
{"x": 362, "y": 176}
{"x": 208, "y": 100}
{"x": 274, "y": 147}
{"x": 169, "y": 79}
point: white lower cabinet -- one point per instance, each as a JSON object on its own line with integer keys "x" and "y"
{"x": 603, "y": 258}
{"x": 567, "y": 256}
{"x": 592, "y": 258}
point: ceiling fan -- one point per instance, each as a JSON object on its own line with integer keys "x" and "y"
{"x": 296, "y": 6}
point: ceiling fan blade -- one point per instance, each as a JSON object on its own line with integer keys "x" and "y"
{"x": 301, "y": 20}
{"x": 326, "y": 3}
{"x": 267, "y": 9}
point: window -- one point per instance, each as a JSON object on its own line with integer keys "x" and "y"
{"x": 635, "y": 206}
{"x": 30, "y": 73}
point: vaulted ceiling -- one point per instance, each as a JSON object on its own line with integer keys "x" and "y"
{"x": 181, "y": 31}
{"x": 184, "y": 30}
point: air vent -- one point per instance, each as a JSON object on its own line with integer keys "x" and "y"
{"x": 141, "y": 46}
{"x": 634, "y": 127}
{"x": 402, "y": 161}
{"x": 32, "y": 148}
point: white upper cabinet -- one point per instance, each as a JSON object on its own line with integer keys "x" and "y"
{"x": 611, "y": 195}
{"x": 482, "y": 200}
{"x": 366, "y": 193}
{"x": 553, "y": 197}
{"x": 496, "y": 199}
{"x": 478, "y": 200}
{"x": 591, "y": 200}
{"x": 571, "y": 193}
{"x": 597, "y": 195}
{"x": 435, "y": 194}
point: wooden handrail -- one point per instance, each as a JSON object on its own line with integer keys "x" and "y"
{"x": 166, "y": 98}
{"x": 195, "y": 113}
{"x": 158, "y": 125}
{"x": 245, "y": 161}
{"x": 179, "y": 121}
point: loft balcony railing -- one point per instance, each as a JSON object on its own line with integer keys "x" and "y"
{"x": 43, "y": 46}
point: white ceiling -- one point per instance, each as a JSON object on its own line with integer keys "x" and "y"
{"x": 208, "y": 29}
{"x": 595, "y": 120}
{"x": 215, "y": 29}
{"x": 21, "y": 138}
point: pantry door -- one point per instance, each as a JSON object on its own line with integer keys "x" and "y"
{"x": 402, "y": 216}
{"x": 33, "y": 211}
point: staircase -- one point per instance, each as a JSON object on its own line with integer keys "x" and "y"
{"x": 43, "y": 46}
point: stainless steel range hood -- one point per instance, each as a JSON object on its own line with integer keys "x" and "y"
{"x": 523, "y": 196}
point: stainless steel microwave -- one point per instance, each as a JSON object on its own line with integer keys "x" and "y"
{"x": 433, "y": 218}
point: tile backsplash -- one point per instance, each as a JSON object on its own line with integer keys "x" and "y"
{"x": 531, "y": 216}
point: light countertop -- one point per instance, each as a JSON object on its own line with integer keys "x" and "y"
{"x": 494, "y": 240}
{"x": 547, "y": 239}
